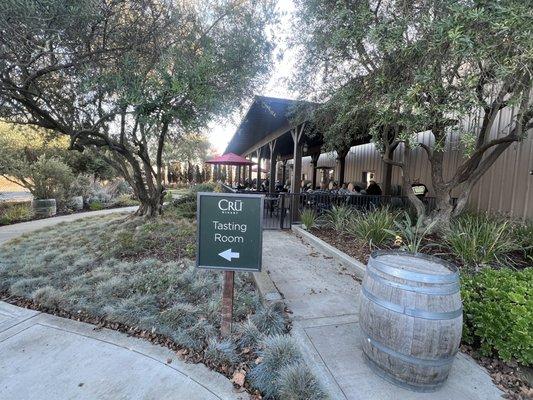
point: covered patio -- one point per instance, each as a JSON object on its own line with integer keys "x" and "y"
{"x": 275, "y": 139}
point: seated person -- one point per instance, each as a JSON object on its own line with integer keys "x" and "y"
{"x": 373, "y": 189}
{"x": 344, "y": 189}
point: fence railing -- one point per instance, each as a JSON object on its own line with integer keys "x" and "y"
{"x": 282, "y": 209}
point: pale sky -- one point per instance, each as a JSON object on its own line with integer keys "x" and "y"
{"x": 219, "y": 134}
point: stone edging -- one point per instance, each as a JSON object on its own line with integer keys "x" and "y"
{"x": 350, "y": 262}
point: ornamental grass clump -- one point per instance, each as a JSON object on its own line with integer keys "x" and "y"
{"x": 277, "y": 352}
{"x": 270, "y": 319}
{"x": 338, "y": 217}
{"x": 221, "y": 352}
{"x": 308, "y": 218}
{"x": 371, "y": 227}
{"x": 247, "y": 334}
{"x": 297, "y": 382}
{"x": 479, "y": 240}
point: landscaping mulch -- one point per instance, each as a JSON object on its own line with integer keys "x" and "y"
{"x": 507, "y": 376}
{"x": 351, "y": 246}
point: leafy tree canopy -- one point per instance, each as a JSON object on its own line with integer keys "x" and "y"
{"x": 403, "y": 67}
{"x": 125, "y": 75}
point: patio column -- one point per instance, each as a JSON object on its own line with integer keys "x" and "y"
{"x": 258, "y": 182}
{"x": 250, "y": 171}
{"x": 238, "y": 174}
{"x": 341, "y": 158}
{"x": 314, "y": 162}
{"x": 272, "y": 183}
{"x": 283, "y": 172}
{"x": 297, "y": 136}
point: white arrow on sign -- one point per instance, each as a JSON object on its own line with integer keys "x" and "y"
{"x": 229, "y": 255}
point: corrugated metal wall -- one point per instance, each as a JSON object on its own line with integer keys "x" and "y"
{"x": 507, "y": 187}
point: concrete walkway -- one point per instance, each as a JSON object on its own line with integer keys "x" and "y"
{"x": 47, "y": 357}
{"x": 51, "y": 358}
{"x": 9, "y": 232}
{"x": 324, "y": 298}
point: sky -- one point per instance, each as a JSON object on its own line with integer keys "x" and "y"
{"x": 219, "y": 134}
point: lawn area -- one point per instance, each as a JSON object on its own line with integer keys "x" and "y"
{"x": 138, "y": 276}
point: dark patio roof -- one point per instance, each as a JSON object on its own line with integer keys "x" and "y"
{"x": 266, "y": 119}
{"x": 270, "y": 118}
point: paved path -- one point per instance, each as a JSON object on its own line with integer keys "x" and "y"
{"x": 9, "y": 232}
{"x": 50, "y": 358}
{"x": 324, "y": 298}
{"x": 44, "y": 357}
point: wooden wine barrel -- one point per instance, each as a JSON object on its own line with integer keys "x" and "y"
{"x": 44, "y": 207}
{"x": 411, "y": 317}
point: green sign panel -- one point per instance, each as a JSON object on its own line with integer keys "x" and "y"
{"x": 230, "y": 231}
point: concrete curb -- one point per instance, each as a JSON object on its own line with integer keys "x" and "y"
{"x": 350, "y": 262}
{"x": 268, "y": 291}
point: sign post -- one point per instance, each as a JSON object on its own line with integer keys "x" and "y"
{"x": 230, "y": 236}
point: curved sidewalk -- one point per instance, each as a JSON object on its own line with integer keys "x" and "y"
{"x": 52, "y": 358}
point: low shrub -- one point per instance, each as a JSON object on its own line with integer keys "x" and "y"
{"x": 308, "y": 218}
{"x": 338, "y": 217}
{"x": 81, "y": 186}
{"x": 372, "y": 226}
{"x": 96, "y": 205}
{"x": 51, "y": 179}
{"x": 480, "y": 240}
{"x": 125, "y": 200}
{"x": 498, "y": 313}
{"x": 15, "y": 212}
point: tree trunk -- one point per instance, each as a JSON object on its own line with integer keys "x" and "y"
{"x": 151, "y": 206}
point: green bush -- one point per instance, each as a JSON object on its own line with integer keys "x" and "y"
{"x": 81, "y": 186}
{"x": 372, "y": 226}
{"x": 96, "y": 205}
{"x": 498, "y": 313}
{"x": 481, "y": 240}
{"x": 17, "y": 212}
{"x": 51, "y": 178}
{"x": 308, "y": 218}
